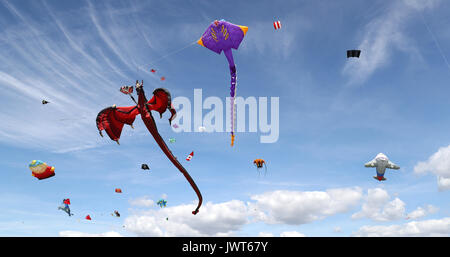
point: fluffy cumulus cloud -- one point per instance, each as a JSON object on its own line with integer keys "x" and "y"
{"x": 435, "y": 227}
{"x": 70, "y": 233}
{"x": 298, "y": 207}
{"x": 212, "y": 220}
{"x": 439, "y": 165}
{"x": 225, "y": 219}
{"x": 422, "y": 212}
{"x": 378, "y": 207}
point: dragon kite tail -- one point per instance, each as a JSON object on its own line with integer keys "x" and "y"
{"x": 160, "y": 102}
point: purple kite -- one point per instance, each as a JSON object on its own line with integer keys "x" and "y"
{"x": 222, "y": 36}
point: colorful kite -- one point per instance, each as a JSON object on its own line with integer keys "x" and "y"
{"x": 189, "y": 157}
{"x": 277, "y": 25}
{"x": 118, "y": 190}
{"x": 162, "y": 203}
{"x": 88, "y": 217}
{"x": 259, "y": 164}
{"x": 112, "y": 120}
{"x": 65, "y": 207}
{"x": 223, "y": 36}
{"x": 126, "y": 89}
{"x": 41, "y": 170}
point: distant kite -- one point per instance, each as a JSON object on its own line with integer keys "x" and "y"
{"x": 145, "y": 167}
{"x": 126, "y": 89}
{"x": 45, "y": 102}
{"x": 353, "y": 53}
{"x": 41, "y": 170}
{"x": 259, "y": 164}
{"x": 277, "y": 25}
{"x": 162, "y": 203}
{"x": 118, "y": 190}
{"x": 65, "y": 207}
{"x": 190, "y": 156}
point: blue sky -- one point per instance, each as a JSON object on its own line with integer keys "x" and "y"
{"x": 335, "y": 115}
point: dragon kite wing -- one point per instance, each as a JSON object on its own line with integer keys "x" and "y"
{"x": 113, "y": 118}
{"x": 223, "y": 36}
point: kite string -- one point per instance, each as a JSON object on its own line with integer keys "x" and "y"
{"x": 168, "y": 54}
{"x": 142, "y": 67}
{"x": 435, "y": 40}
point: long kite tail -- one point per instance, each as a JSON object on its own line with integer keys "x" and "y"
{"x": 151, "y": 126}
{"x": 174, "y": 160}
{"x": 232, "y": 98}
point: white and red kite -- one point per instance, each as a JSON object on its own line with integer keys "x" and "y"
{"x": 277, "y": 25}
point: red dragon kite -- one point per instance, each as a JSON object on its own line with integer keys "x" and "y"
{"x": 112, "y": 120}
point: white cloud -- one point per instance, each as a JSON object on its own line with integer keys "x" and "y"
{"x": 439, "y": 165}
{"x": 291, "y": 234}
{"x": 212, "y": 220}
{"x": 70, "y": 233}
{"x": 422, "y": 212}
{"x": 224, "y": 219}
{"x": 443, "y": 183}
{"x": 435, "y": 227}
{"x": 142, "y": 202}
{"x": 265, "y": 234}
{"x": 378, "y": 208}
{"x": 297, "y": 207}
